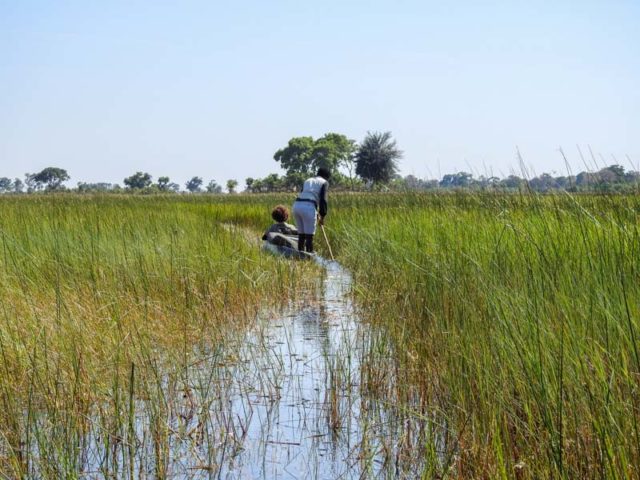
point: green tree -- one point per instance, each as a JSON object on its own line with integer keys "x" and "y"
{"x": 231, "y": 185}
{"x": 18, "y": 185}
{"x": 456, "y": 180}
{"x": 51, "y": 178}
{"x": 333, "y": 150}
{"x": 291, "y": 181}
{"x": 163, "y": 183}
{"x": 297, "y": 156}
{"x": 5, "y": 184}
{"x": 194, "y": 184}
{"x": 213, "y": 187}
{"x": 274, "y": 183}
{"x": 303, "y": 155}
{"x": 611, "y": 174}
{"x": 32, "y": 185}
{"x": 377, "y": 157}
{"x": 257, "y": 186}
{"x": 138, "y": 181}
{"x": 512, "y": 182}
{"x": 84, "y": 187}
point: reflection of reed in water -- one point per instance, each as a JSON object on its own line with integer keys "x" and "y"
{"x": 309, "y": 394}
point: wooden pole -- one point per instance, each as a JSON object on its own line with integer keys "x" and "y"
{"x": 327, "y": 240}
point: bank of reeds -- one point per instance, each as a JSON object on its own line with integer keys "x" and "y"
{"x": 513, "y": 322}
{"x": 518, "y": 317}
{"x": 103, "y": 303}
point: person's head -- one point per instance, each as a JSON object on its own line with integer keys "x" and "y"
{"x": 324, "y": 172}
{"x": 280, "y": 213}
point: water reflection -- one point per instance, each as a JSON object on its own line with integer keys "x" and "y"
{"x": 283, "y": 401}
{"x": 290, "y": 433}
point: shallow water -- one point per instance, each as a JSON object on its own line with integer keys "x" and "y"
{"x": 302, "y": 426}
{"x": 292, "y": 431}
{"x": 290, "y": 398}
{"x": 292, "y": 406}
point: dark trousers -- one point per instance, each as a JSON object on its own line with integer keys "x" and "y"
{"x": 305, "y": 242}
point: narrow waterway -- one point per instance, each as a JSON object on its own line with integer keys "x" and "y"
{"x": 293, "y": 404}
{"x": 294, "y": 423}
{"x": 304, "y": 395}
{"x": 304, "y": 424}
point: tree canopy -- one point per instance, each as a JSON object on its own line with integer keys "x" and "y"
{"x": 353, "y": 167}
{"x": 377, "y": 157}
{"x": 194, "y": 184}
{"x": 296, "y": 157}
{"x": 213, "y": 187}
{"x": 6, "y": 184}
{"x": 231, "y": 185}
{"x": 613, "y": 179}
{"x": 303, "y": 155}
{"x": 51, "y": 178}
{"x": 163, "y": 183}
{"x": 138, "y": 181}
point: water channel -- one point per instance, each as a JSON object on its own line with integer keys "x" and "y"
{"x": 287, "y": 399}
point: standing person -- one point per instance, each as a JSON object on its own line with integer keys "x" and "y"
{"x": 310, "y": 205}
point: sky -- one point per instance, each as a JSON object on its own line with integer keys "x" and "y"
{"x": 211, "y": 88}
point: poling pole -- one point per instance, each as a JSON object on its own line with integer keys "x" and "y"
{"x": 327, "y": 240}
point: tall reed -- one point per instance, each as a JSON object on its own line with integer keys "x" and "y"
{"x": 104, "y": 301}
{"x": 518, "y": 316}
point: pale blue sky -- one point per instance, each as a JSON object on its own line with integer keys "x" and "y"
{"x": 214, "y": 88}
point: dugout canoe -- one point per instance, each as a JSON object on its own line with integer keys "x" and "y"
{"x": 285, "y": 246}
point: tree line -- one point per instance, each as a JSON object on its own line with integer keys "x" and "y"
{"x": 372, "y": 164}
{"x": 612, "y": 178}
{"x": 51, "y": 179}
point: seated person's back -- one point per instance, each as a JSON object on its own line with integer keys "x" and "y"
{"x": 280, "y": 214}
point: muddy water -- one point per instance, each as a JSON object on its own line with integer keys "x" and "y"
{"x": 286, "y": 400}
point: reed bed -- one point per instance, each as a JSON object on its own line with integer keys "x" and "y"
{"x": 104, "y": 302}
{"x": 517, "y": 316}
{"x": 503, "y": 337}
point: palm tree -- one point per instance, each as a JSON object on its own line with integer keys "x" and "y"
{"x": 376, "y": 159}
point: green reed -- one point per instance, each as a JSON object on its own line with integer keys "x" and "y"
{"x": 518, "y": 315}
{"x": 514, "y": 319}
{"x": 103, "y": 302}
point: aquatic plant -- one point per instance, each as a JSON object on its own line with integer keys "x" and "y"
{"x": 517, "y": 316}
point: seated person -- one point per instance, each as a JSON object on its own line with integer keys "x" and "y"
{"x": 277, "y": 232}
